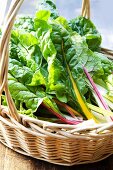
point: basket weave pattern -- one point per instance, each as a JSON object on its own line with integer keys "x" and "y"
{"x": 55, "y": 143}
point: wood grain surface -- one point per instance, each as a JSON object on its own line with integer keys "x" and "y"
{"x": 10, "y": 160}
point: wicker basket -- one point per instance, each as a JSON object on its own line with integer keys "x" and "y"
{"x": 55, "y": 143}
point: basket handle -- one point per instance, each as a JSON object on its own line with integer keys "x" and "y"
{"x": 85, "y": 9}
{"x": 4, "y": 57}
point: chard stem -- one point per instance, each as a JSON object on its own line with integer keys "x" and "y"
{"x": 72, "y": 112}
{"x": 95, "y": 89}
{"x": 63, "y": 119}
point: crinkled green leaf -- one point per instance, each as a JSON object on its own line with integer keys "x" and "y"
{"x": 24, "y": 48}
{"x": 22, "y": 93}
{"x": 24, "y": 23}
{"x": 106, "y": 64}
{"x": 86, "y": 28}
{"x": 26, "y": 76}
{"x": 20, "y": 72}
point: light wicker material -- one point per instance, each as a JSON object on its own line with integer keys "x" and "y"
{"x": 56, "y": 143}
{"x": 86, "y": 8}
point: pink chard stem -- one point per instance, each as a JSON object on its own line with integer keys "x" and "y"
{"x": 96, "y": 89}
{"x": 63, "y": 119}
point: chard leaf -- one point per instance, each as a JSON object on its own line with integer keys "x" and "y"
{"x": 106, "y": 64}
{"x": 31, "y": 101}
{"x": 48, "y": 5}
{"x": 55, "y": 69}
{"x": 64, "y": 23}
{"x": 39, "y": 78}
{"x": 22, "y": 93}
{"x": 24, "y": 23}
{"x": 27, "y": 39}
{"x": 86, "y": 28}
{"x": 43, "y": 15}
{"x": 20, "y": 72}
{"x": 26, "y": 76}
{"x": 77, "y": 54}
{"x": 69, "y": 62}
{"x": 44, "y": 36}
{"x": 24, "y": 48}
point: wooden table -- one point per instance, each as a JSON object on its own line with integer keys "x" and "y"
{"x": 10, "y": 160}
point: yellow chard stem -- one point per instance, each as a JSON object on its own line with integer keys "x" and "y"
{"x": 83, "y": 105}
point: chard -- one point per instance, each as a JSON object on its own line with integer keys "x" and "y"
{"x": 96, "y": 89}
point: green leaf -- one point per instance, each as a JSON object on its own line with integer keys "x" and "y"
{"x": 38, "y": 78}
{"x": 43, "y": 15}
{"x": 86, "y": 28}
{"x": 24, "y": 48}
{"x": 64, "y": 23}
{"x": 20, "y": 72}
{"x": 24, "y": 23}
{"x": 48, "y": 5}
{"x": 55, "y": 69}
{"x": 22, "y": 93}
{"x": 106, "y": 64}
{"x": 27, "y": 39}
